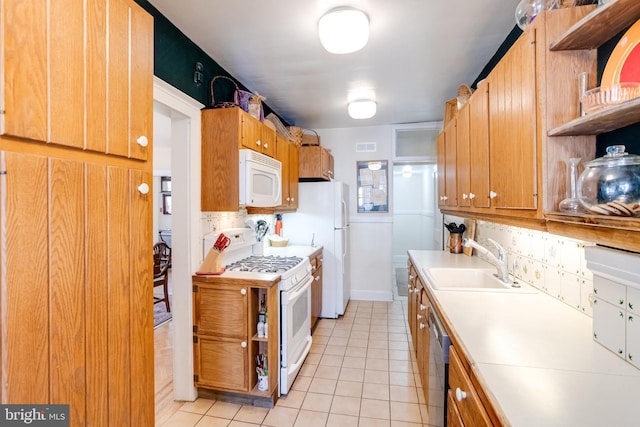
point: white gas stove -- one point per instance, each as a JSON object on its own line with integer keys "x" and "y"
{"x": 295, "y": 294}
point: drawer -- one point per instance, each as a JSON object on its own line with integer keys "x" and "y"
{"x": 453, "y": 414}
{"x": 463, "y": 392}
{"x": 610, "y": 291}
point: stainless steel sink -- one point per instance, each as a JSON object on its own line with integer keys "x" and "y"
{"x": 468, "y": 279}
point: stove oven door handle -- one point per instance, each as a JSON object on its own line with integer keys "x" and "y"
{"x": 293, "y": 294}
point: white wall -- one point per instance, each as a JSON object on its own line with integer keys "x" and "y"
{"x": 371, "y": 233}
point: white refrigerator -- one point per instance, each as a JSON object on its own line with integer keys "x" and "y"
{"x": 322, "y": 219}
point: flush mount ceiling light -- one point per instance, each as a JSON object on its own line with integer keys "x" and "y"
{"x": 343, "y": 30}
{"x": 363, "y": 109}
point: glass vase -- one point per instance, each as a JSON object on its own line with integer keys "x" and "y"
{"x": 571, "y": 204}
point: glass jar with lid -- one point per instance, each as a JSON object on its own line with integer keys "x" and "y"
{"x": 610, "y": 185}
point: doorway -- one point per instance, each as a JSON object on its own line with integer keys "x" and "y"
{"x": 415, "y": 213}
{"x": 178, "y": 156}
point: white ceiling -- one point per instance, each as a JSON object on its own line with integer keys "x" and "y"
{"x": 419, "y": 52}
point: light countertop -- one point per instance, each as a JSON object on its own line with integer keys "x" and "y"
{"x": 534, "y": 355}
{"x": 292, "y": 250}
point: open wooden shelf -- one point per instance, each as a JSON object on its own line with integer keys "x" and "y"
{"x": 599, "y": 26}
{"x": 605, "y": 120}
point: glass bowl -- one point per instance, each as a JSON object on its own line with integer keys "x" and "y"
{"x": 596, "y": 99}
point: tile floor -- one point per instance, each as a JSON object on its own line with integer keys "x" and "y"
{"x": 361, "y": 372}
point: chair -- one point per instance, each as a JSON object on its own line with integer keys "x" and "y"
{"x": 161, "y": 265}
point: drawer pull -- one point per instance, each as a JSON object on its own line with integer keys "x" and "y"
{"x": 419, "y": 316}
{"x": 143, "y": 188}
{"x": 143, "y": 141}
{"x": 243, "y": 291}
{"x": 422, "y": 307}
{"x": 422, "y": 326}
{"x": 243, "y": 344}
{"x": 460, "y": 394}
{"x": 411, "y": 277}
{"x": 317, "y": 278}
{"x": 258, "y": 143}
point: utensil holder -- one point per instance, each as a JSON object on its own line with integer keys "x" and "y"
{"x": 455, "y": 243}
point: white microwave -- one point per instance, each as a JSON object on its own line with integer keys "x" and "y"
{"x": 260, "y": 180}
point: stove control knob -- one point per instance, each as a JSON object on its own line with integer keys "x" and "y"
{"x": 243, "y": 344}
{"x": 243, "y": 291}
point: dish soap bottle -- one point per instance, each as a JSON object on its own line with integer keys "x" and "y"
{"x": 262, "y": 321}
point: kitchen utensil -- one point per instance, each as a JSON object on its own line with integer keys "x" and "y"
{"x": 610, "y": 185}
{"x": 454, "y": 228}
{"x": 222, "y": 242}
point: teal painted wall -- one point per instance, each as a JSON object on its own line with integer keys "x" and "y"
{"x": 175, "y": 59}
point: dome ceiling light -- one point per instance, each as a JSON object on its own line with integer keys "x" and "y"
{"x": 343, "y": 30}
{"x": 363, "y": 109}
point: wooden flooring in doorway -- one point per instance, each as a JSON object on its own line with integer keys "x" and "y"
{"x": 163, "y": 373}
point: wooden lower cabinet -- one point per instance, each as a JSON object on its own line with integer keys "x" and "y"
{"x": 454, "y": 419}
{"x": 316, "y": 288}
{"x": 423, "y": 341}
{"x": 464, "y": 394}
{"x": 225, "y": 339}
{"x": 77, "y": 312}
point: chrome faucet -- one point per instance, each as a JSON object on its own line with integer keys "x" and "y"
{"x": 501, "y": 261}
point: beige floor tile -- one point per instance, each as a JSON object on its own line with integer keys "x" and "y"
{"x": 313, "y": 358}
{"x": 379, "y": 322}
{"x": 370, "y": 408}
{"x": 281, "y": 417}
{"x": 307, "y": 370}
{"x": 399, "y": 355}
{"x": 182, "y": 419}
{"x": 377, "y": 353}
{"x": 317, "y": 402}
{"x": 375, "y": 391}
{"x": 358, "y": 342}
{"x": 402, "y": 378}
{"x": 331, "y": 360}
{"x": 224, "y": 410}
{"x": 372, "y": 422}
{"x": 235, "y": 423}
{"x": 398, "y": 337}
{"x": 292, "y": 400}
{"x": 352, "y": 374}
{"x": 398, "y": 345}
{"x": 379, "y": 344}
{"x": 251, "y": 414}
{"x": 404, "y": 424}
{"x": 346, "y": 405}
{"x": 376, "y": 335}
{"x": 376, "y": 377}
{"x": 311, "y": 419}
{"x": 324, "y": 386}
{"x": 317, "y": 348}
{"x": 322, "y": 332}
{"x": 397, "y": 322}
{"x": 362, "y": 321}
{"x": 349, "y": 388}
{"x": 301, "y": 383}
{"x": 208, "y": 421}
{"x": 336, "y": 350}
{"x": 199, "y": 406}
{"x": 340, "y": 341}
{"x": 378, "y": 364}
{"x": 356, "y": 352}
{"x": 353, "y": 362}
{"x": 341, "y": 333}
{"x": 321, "y": 339}
{"x": 359, "y": 335}
{"x": 400, "y": 366}
{"x": 327, "y": 372}
{"x": 361, "y": 327}
{"x": 338, "y": 420}
{"x": 409, "y": 412}
{"x": 400, "y": 393}
{"x": 397, "y": 329}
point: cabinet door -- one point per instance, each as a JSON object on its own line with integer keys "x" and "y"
{"x": 471, "y": 409}
{"x": 512, "y": 104}
{"x": 440, "y": 174}
{"x": 76, "y": 272}
{"x": 221, "y": 364}
{"x": 283, "y": 147}
{"x": 463, "y": 161}
{"x": 64, "y": 45}
{"x": 423, "y": 342}
{"x": 294, "y": 173}
{"x": 453, "y": 414}
{"x": 316, "y": 290}
{"x": 268, "y": 141}
{"x": 411, "y": 308}
{"x": 479, "y": 147}
{"x": 450, "y": 185}
{"x": 221, "y": 311}
{"x": 251, "y": 132}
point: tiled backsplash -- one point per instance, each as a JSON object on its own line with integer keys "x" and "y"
{"x": 554, "y": 264}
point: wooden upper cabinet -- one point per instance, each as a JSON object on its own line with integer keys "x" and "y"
{"x": 283, "y": 147}
{"x": 463, "y": 168}
{"x": 257, "y": 137}
{"x": 77, "y": 79}
{"x": 294, "y": 173}
{"x": 440, "y": 169}
{"x": 316, "y": 163}
{"x": 450, "y": 173}
{"x": 479, "y": 147}
{"x": 512, "y": 127}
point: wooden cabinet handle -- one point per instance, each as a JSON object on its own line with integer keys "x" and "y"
{"x": 445, "y": 198}
{"x": 460, "y": 394}
{"x": 293, "y": 199}
{"x": 243, "y": 344}
{"x": 143, "y": 141}
{"x": 243, "y": 291}
{"x": 143, "y": 188}
{"x": 411, "y": 277}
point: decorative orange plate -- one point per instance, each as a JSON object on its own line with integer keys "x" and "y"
{"x": 623, "y": 65}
